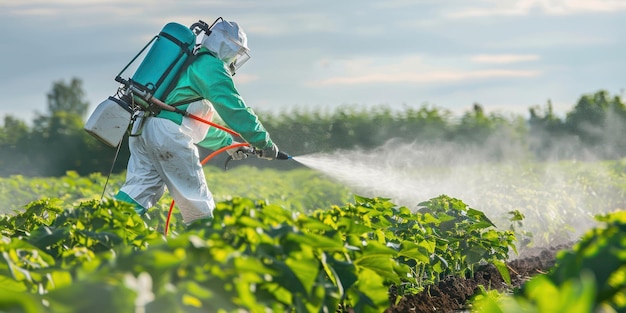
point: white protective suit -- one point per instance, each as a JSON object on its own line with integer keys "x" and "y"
{"x": 164, "y": 154}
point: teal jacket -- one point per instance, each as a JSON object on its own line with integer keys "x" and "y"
{"x": 209, "y": 78}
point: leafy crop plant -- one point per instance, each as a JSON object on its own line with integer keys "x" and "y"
{"x": 252, "y": 256}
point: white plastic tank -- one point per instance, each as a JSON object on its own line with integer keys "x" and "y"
{"x": 109, "y": 121}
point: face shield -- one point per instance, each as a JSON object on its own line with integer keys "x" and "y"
{"x": 242, "y": 57}
{"x": 229, "y": 43}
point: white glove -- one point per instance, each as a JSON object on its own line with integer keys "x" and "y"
{"x": 269, "y": 153}
{"x": 239, "y": 153}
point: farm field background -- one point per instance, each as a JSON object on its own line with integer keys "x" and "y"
{"x": 365, "y": 231}
{"x": 558, "y": 200}
{"x": 300, "y": 189}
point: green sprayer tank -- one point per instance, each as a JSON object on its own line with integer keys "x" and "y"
{"x": 166, "y": 56}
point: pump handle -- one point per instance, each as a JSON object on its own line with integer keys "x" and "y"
{"x": 201, "y": 25}
{"x": 120, "y": 80}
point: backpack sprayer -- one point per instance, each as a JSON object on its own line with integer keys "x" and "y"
{"x": 171, "y": 51}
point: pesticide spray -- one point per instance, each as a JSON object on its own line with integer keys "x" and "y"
{"x": 548, "y": 195}
{"x": 406, "y": 173}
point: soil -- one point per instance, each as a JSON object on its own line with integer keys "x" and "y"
{"x": 453, "y": 293}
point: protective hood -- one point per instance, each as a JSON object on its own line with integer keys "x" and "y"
{"x": 229, "y": 43}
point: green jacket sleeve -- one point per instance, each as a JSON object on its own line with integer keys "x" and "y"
{"x": 210, "y": 78}
{"x": 216, "y": 139}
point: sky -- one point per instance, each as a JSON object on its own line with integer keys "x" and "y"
{"x": 507, "y": 55}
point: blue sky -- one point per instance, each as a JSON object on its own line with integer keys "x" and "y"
{"x": 506, "y": 55}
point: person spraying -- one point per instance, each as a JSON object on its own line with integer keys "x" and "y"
{"x": 163, "y": 144}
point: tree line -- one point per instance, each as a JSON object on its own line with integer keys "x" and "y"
{"x": 593, "y": 128}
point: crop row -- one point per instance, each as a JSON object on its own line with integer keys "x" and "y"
{"x": 253, "y": 256}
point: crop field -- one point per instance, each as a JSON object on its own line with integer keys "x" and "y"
{"x": 525, "y": 239}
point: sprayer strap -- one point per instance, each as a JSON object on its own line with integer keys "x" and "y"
{"x": 183, "y": 68}
{"x": 174, "y": 40}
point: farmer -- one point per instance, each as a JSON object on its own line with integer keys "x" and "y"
{"x": 164, "y": 152}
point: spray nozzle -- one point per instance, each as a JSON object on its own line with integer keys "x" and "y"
{"x": 283, "y": 156}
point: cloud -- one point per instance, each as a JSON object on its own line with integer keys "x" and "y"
{"x": 430, "y": 77}
{"x": 292, "y": 23}
{"x": 417, "y": 69}
{"x": 548, "y": 7}
{"x": 554, "y": 39}
{"x": 504, "y": 58}
{"x": 71, "y": 11}
{"x": 57, "y": 6}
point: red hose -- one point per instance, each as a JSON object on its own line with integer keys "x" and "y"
{"x": 209, "y": 157}
{"x": 197, "y": 118}
{"x": 168, "y": 107}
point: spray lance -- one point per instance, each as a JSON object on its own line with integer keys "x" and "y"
{"x": 248, "y": 150}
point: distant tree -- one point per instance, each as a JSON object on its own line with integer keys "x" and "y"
{"x": 545, "y": 121}
{"x": 58, "y": 135}
{"x": 68, "y": 98}
{"x": 300, "y": 130}
{"x": 13, "y": 131}
{"x": 587, "y": 118}
{"x": 599, "y": 121}
{"x": 491, "y": 137}
{"x": 425, "y": 124}
{"x": 343, "y": 128}
{"x": 14, "y": 139}
{"x": 548, "y": 136}
{"x": 475, "y": 126}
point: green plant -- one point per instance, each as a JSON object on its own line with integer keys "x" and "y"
{"x": 251, "y": 256}
{"x": 590, "y": 277}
